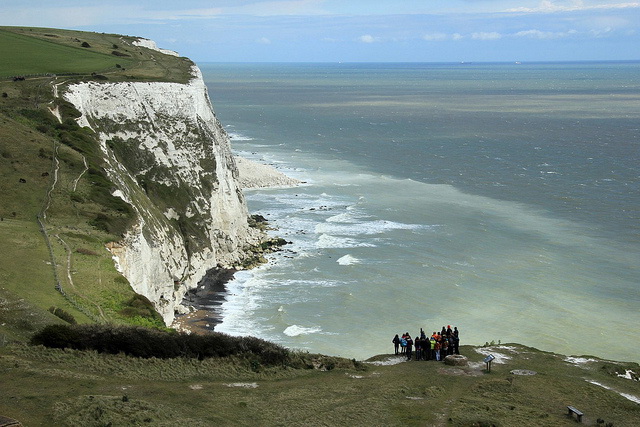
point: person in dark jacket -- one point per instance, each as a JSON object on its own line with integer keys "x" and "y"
{"x": 396, "y": 343}
{"x": 409, "y": 347}
{"x": 456, "y": 340}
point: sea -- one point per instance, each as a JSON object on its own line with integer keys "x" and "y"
{"x": 500, "y": 198}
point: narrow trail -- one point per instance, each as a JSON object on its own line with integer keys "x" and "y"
{"x": 54, "y": 181}
{"x": 86, "y": 168}
{"x": 70, "y": 279}
{"x": 42, "y": 222}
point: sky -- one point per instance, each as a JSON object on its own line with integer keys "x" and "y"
{"x": 355, "y": 30}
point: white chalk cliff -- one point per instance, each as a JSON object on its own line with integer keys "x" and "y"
{"x": 170, "y": 159}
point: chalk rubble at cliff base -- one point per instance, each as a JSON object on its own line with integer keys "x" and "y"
{"x": 256, "y": 175}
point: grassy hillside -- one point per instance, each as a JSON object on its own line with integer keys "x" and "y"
{"x": 118, "y": 390}
{"x": 53, "y": 170}
{"x": 39, "y": 51}
{"x": 29, "y": 55}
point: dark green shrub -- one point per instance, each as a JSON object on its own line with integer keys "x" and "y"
{"x": 75, "y": 197}
{"x": 140, "y": 306}
{"x": 67, "y": 317}
{"x": 85, "y": 251}
{"x": 58, "y": 336}
{"x": 67, "y": 109}
{"x": 146, "y": 343}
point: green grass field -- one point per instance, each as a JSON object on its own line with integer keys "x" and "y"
{"x": 70, "y": 388}
{"x": 24, "y": 55}
{"x": 34, "y": 51}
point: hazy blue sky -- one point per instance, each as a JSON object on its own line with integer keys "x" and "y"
{"x": 355, "y": 30}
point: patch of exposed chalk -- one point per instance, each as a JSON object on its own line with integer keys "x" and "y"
{"x": 150, "y": 44}
{"x": 630, "y": 375}
{"x": 578, "y": 360}
{"x": 628, "y": 396}
{"x": 243, "y": 385}
{"x": 171, "y": 214}
{"x": 355, "y": 376}
{"x": 388, "y": 362}
{"x": 495, "y": 351}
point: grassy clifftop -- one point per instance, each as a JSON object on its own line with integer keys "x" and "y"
{"x": 525, "y": 387}
{"x": 34, "y": 51}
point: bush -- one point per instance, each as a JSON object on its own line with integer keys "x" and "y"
{"x": 85, "y": 251}
{"x": 147, "y": 343}
{"x": 67, "y": 317}
{"x": 140, "y": 306}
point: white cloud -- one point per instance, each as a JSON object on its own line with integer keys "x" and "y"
{"x": 277, "y": 8}
{"x": 263, "y": 40}
{"x": 602, "y": 32}
{"x": 368, "y": 38}
{"x": 486, "y": 36}
{"x": 435, "y": 37}
{"x": 549, "y": 6}
{"x": 537, "y": 34}
{"x": 457, "y": 36}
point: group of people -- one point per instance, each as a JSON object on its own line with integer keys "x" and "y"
{"x": 436, "y": 347}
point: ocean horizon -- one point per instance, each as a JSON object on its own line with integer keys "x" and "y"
{"x": 500, "y": 198}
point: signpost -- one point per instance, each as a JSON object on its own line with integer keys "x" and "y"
{"x": 488, "y": 360}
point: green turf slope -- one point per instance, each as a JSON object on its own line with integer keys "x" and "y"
{"x": 24, "y": 55}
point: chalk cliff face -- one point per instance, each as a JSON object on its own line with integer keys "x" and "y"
{"x": 170, "y": 159}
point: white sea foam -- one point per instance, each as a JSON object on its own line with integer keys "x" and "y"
{"x": 344, "y": 217}
{"x": 296, "y": 330}
{"x": 327, "y": 241}
{"x": 348, "y": 260}
{"x": 365, "y": 227}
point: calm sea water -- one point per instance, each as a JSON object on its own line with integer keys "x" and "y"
{"x": 503, "y": 199}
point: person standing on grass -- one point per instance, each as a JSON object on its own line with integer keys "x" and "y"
{"x": 396, "y": 343}
{"x": 409, "y": 347}
{"x": 445, "y": 347}
{"x": 456, "y": 340}
{"x": 433, "y": 347}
